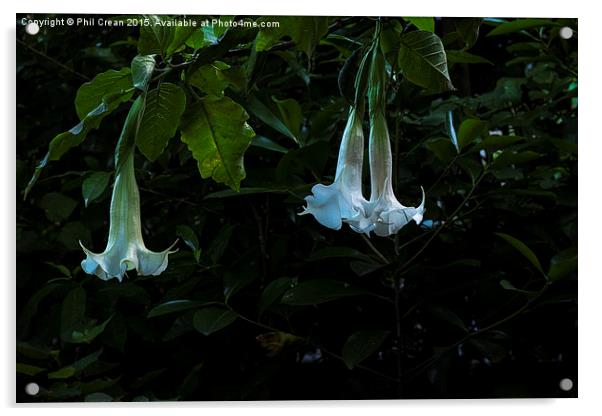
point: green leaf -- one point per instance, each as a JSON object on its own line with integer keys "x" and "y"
{"x": 174, "y": 306}
{"x": 164, "y": 108}
{"x": 77, "y": 367}
{"x": 463, "y": 57}
{"x": 509, "y": 286}
{"x": 265, "y": 143}
{"x": 216, "y": 132}
{"x": 181, "y": 37}
{"x": 142, "y": 70}
{"x": 62, "y": 142}
{"x": 94, "y": 186}
{"x": 106, "y": 84}
{"x": 423, "y": 61}
{"x": 273, "y": 292}
{"x": 468, "y": 29}
{"x": 263, "y": 112}
{"x": 29, "y": 370}
{"x": 520, "y": 24}
{"x": 422, "y": 23}
{"x": 305, "y": 32}
{"x": 155, "y": 38}
{"x": 190, "y": 239}
{"x": 523, "y": 249}
{"x": 212, "y": 319}
{"x": 211, "y": 78}
{"x": 361, "y": 345}
{"x": 290, "y": 114}
{"x": 57, "y": 207}
{"x": 563, "y": 264}
{"x": 317, "y": 291}
{"x": 87, "y": 335}
{"x": 470, "y": 130}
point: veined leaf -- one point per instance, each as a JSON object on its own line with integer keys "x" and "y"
{"x": 164, "y": 108}
{"x": 423, "y": 61}
{"x": 216, "y": 132}
{"x": 91, "y": 95}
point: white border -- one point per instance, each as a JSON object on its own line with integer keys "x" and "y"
{"x": 589, "y": 185}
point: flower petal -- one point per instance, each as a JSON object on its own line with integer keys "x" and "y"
{"x": 324, "y": 205}
{"x": 153, "y": 263}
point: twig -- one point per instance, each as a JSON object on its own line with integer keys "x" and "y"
{"x": 375, "y": 250}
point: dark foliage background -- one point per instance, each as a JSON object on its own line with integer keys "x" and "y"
{"x": 448, "y": 309}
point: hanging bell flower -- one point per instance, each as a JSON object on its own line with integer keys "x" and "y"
{"x": 342, "y": 201}
{"x": 125, "y": 249}
{"x": 386, "y": 214}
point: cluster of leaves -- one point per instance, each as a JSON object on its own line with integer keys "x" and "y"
{"x": 259, "y": 303}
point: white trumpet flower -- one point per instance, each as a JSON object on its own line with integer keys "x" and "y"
{"x": 343, "y": 201}
{"x": 125, "y": 248}
{"x": 385, "y": 212}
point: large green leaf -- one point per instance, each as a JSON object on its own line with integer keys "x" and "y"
{"x": 212, "y": 319}
{"x": 106, "y": 84}
{"x": 317, "y": 291}
{"x": 164, "y": 108}
{"x": 423, "y": 61}
{"x": 361, "y": 345}
{"x": 216, "y": 132}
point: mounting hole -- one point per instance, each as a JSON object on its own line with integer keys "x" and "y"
{"x": 566, "y": 384}
{"x": 32, "y": 389}
{"x": 565, "y": 32}
{"x": 32, "y": 28}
